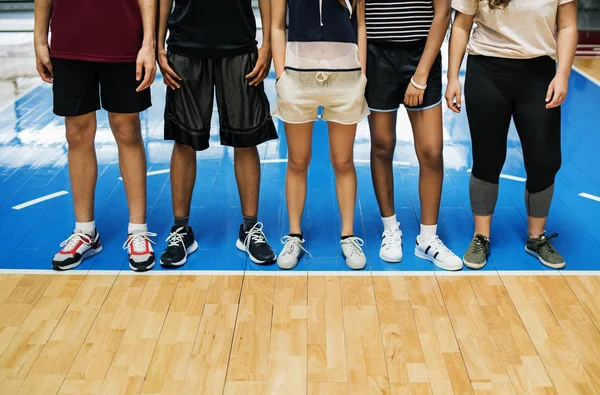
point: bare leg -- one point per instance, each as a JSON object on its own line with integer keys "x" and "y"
{"x": 383, "y": 144}
{"x": 83, "y": 165}
{"x": 299, "y": 139}
{"x": 427, "y": 129}
{"x": 183, "y": 178}
{"x": 483, "y": 224}
{"x": 247, "y": 175}
{"x": 132, "y": 162}
{"x": 341, "y": 148}
{"x": 536, "y": 225}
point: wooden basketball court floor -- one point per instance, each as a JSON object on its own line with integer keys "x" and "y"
{"x": 514, "y": 328}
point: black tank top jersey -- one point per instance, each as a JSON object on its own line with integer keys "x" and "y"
{"x": 321, "y": 20}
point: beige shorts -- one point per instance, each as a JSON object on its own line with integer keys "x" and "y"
{"x": 340, "y": 93}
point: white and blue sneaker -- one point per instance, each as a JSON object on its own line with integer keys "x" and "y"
{"x": 435, "y": 251}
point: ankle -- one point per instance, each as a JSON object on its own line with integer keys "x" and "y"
{"x": 536, "y": 235}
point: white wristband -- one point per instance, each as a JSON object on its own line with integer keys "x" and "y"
{"x": 421, "y": 87}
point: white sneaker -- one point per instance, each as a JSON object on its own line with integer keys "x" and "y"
{"x": 352, "y": 251}
{"x": 291, "y": 252}
{"x": 435, "y": 251}
{"x": 391, "y": 245}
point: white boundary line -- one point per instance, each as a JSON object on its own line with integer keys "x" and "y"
{"x": 39, "y": 200}
{"x": 154, "y": 173}
{"x": 304, "y": 273}
{"x": 588, "y": 196}
{"x": 586, "y": 75}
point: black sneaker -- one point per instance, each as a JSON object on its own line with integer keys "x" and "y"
{"x": 255, "y": 244}
{"x": 181, "y": 244}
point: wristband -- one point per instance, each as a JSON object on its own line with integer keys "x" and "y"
{"x": 421, "y": 87}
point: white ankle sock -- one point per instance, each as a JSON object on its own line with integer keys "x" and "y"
{"x": 89, "y": 228}
{"x": 136, "y": 228}
{"x": 427, "y": 232}
{"x": 390, "y": 222}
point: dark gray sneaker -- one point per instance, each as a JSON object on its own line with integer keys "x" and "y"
{"x": 477, "y": 252}
{"x": 543, "y": 250}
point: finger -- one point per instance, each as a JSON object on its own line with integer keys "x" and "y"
{"x": 148, "y": 77}
{"x": 168, "y": 70}
{"x": 259, "y": 78}
{"x": 557, "y": 100}
{"x": 550, "y": 92}
{"x": 138, "y": 71}
{"x": 458, "y": 101}
{"x": 170, "y": 82}
{"x": 48, "y": 65}
{"x": 43, "y": 74}
{"x": 421, "y": 98}
{"x": 254, "y": 72}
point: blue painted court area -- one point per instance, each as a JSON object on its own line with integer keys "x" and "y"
{"x": 33, "y": 165}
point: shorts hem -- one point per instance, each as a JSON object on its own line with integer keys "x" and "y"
{"x": 294, "y": 122}
{"x": 74, "y": 113}
{"x": 126, "y": 111}
{"x": 378, "y": 110}
{"x": 415, "y": 109}
{"x": 248, "y": 138}
{"x": 198, "y": 140}
{"x": 347, "y": 122}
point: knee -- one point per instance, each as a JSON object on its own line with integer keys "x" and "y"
{"x": 80, "y": 132}
{"x": 342, "y": 164}
{"x": 126, "y": 130}
{"x": 383, "y": 149}
{"x": 542, "y": 176}
{"x": 298, "y": 164}
{"x": 431, "y": 157}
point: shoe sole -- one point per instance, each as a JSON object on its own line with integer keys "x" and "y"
{"x": 240, "y": 246}
{"x": 88, "y": 254}
{"x": 290, "y": 267}
{"x": 390, "y": 260}
{"x": 545, "y": 263}
{"x": 474, "y": 266}
{"x": 419, "y": 254}
{"x": 143, "y": 269}
{"x": 190, "y": 250}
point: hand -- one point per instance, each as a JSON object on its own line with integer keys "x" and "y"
{"x": 146, "y": 66}
{"x": 453, "y": 95}
{"x": 414, "y": 95}
{"x": 557, "y": 91}
{"x": 43, "y": 64}
{"x": 261, "y": 68}
{"x": 169, "y": 76}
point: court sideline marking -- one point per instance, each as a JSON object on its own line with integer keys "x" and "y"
{"x": 39, "y": 200}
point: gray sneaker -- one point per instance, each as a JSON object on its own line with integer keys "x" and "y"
{"x": 477, "y": 252}
{"x": 352, "y": 251}
{"x": 543, "y": 250}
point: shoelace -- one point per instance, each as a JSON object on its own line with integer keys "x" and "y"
{"x": 289, "y": 242}
{"x": 355, "y": 244}
{"x": 546, "y": 245}
{"x": 478, "y": 245}
{"x": 438, "y": 245}
{"x": 393, "y": 237}
{"x": 256, "y": 235}
{"x": 138, "y": 240}
{"x": 75, "y": 238}
{"x": 176, "y": 238}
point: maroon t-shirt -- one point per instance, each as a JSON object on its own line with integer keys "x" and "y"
{"x": 96, "y": 30}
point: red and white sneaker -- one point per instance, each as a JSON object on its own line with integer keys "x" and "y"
{"x": 141, "y": 255}
{"x": 77, "y": 248}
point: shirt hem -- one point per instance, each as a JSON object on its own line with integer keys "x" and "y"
{"x": 211, "y": 52}
{"x": 93, "y": 58}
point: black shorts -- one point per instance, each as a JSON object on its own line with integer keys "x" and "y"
{"x": 79, "y": 85}
{"x": 244, "y": 113}
{"x": 389, "y": 70}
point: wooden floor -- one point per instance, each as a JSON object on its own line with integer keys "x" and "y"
{"x": 590, "y": 66}
{"x": 214, "y": 334}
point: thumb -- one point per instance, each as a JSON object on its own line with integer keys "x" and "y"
{"x": 138, "y": 71}
{"x": 550, "y": 92}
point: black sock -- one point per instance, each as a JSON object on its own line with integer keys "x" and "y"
{"x": 249, "y": 222}
{"x": 346, "y": 237}
{"x": 182, "y": 222}
{"x": 298, "y": 235}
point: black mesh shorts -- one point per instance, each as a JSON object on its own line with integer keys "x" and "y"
{"x": 389, "y": 70}
{"x": 79, "y": 87}
{"x": 244, "y": 113}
